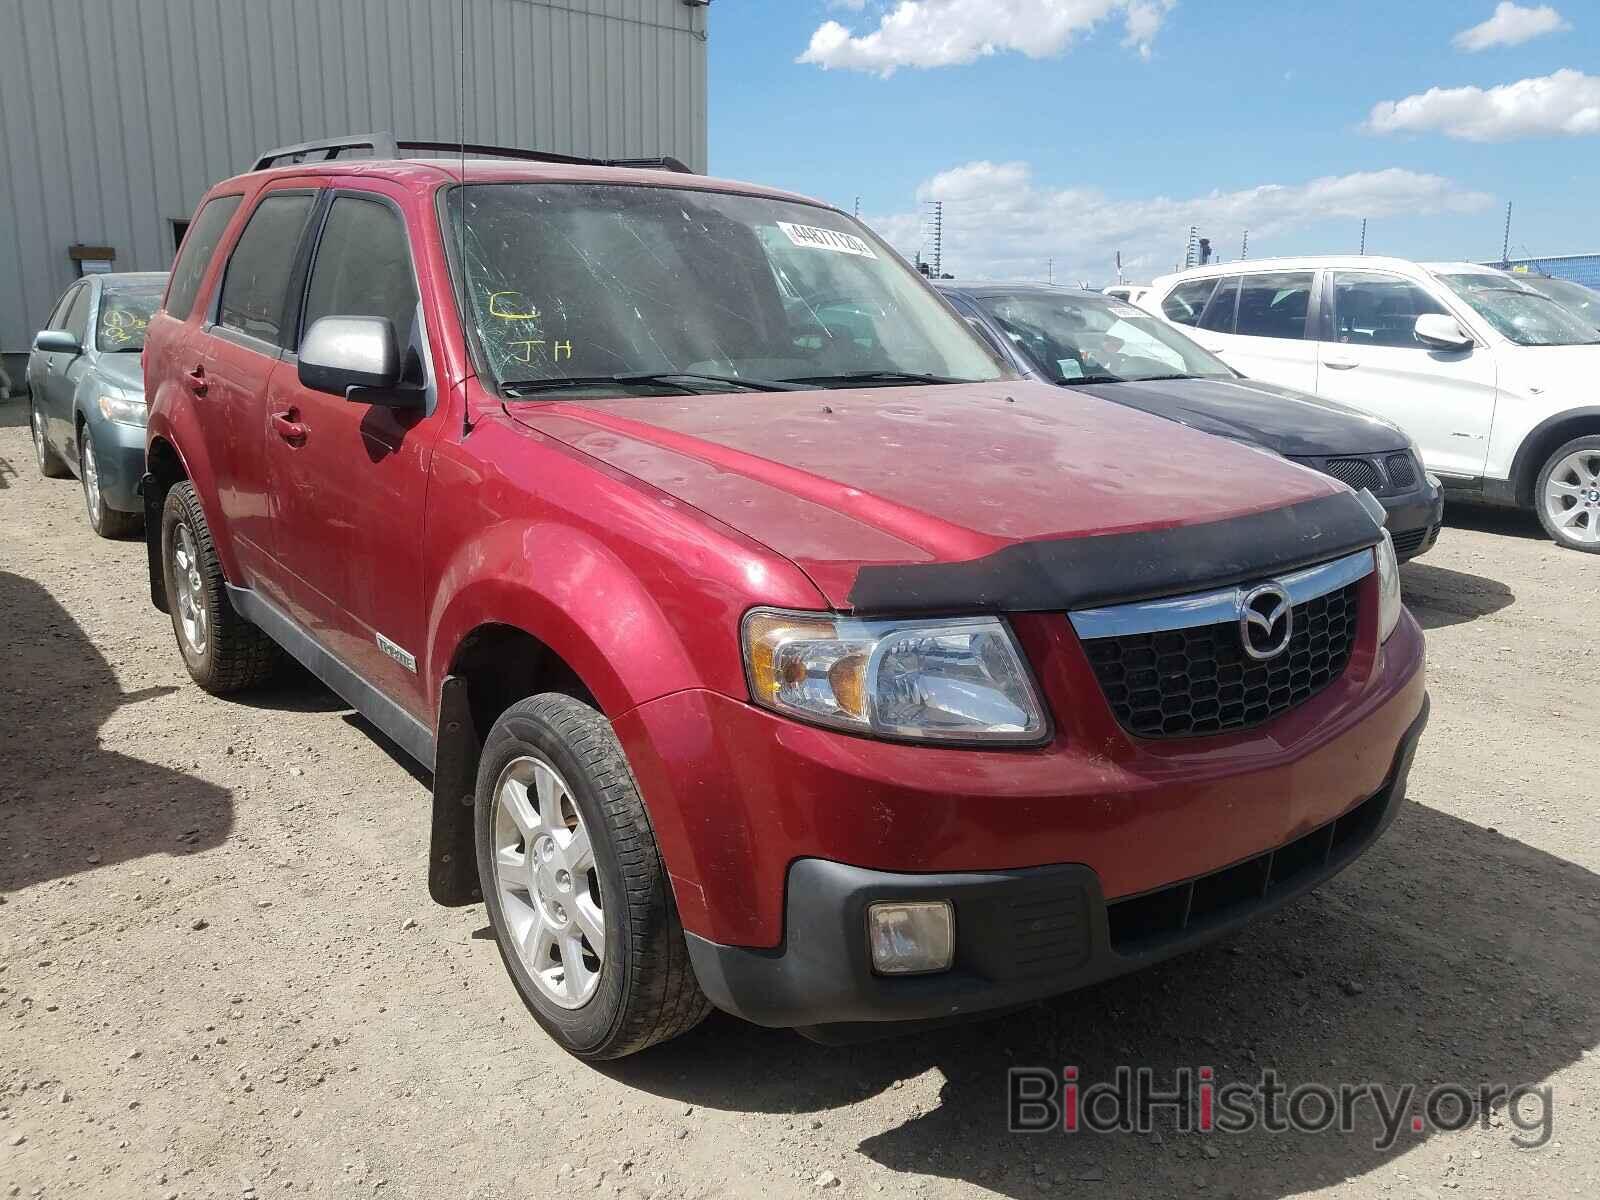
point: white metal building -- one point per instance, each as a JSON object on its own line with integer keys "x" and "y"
{"x": 117, "y": 115}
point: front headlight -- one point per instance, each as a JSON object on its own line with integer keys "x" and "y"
{"x": 1388, "y": 587}
{"x": 116, "y": 405}
{"x": 957, "y": 680}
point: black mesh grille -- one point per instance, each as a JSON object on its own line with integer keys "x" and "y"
{"x": 1357, "y": 472}
{"x": 1184, "y": 682}
{"x": 1410, "y": 541}
{"x": 1402, "y": 472}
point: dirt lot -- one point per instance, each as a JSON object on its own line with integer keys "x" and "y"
{"x": 221, "y": 975}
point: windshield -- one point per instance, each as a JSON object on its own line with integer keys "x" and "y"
{"x": 1574, "y": 296}
{"x": 1520, "y": 313}
{"x": 695, "y": 290}
{"x": 1087, "y": 339}
{"x": 124, "y": 315}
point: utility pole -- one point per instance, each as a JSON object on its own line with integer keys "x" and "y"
{"x": 858, "y": 208}
{"x": 938, "y": 239}
{"x": 1050, "y": 269}
{"x": 1505, "y": 246}
{"x": 1244, "y": 246}
{"x": 1120, "y": 277}
{"x": 1192, "y": 254}
{"x": 1363, "y": 235}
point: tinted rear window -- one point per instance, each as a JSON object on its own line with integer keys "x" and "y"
{"x": 255, "y": 287}
{"x": 199, "y": 244}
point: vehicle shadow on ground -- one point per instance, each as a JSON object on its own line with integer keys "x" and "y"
{"x": 1449, "y": 953}
{"x": 67, "y": 804}
{"x": 7, "y": 473}
{"x": 13, "y": 413}
{"x": 1486, "y": 518}
{"x": 1438, "y": 596}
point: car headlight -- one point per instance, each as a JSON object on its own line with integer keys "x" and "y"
{"x": 956, "y": 680}
{"x": 1388, "y": 587}
{"x": 116, "y": 405}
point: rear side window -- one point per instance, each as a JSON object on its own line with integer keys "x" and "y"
{"x": 1219, "y": 313}
{"x": 1188, "y": 300}
{"x": 194, "y": 256}
{"x": 363, "y": 267}
{"x": 255, "y": 287}
{"x": 1274, "y": 306}
{"x": 1379, "y": 310}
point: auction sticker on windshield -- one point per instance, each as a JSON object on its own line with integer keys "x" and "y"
{"x": 811, "y": 237}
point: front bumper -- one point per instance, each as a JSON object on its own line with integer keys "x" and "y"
{"x": 1021, "y": 935}
{"x": 1414, "y": 519}
{"x": 119, "y": 452}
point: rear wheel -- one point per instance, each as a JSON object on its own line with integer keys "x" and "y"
{"x": 50, "y": 464}
{"x": 223, "y": 651}
{"x": 107, "y": 522}
{"x": 579, "y": 900}
{"x": 1567, "y": 495}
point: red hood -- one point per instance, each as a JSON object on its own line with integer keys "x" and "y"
{"x": 838, "y": 480}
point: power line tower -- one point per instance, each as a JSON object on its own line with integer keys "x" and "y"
{"x": 1191, "y": 255}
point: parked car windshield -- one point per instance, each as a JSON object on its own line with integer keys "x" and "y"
{"x": 124, "y": 316}
{"x": 1088, "y": 339}
{"x": 573, "y": 285}
{"x": 1574, "y": 296}
{"x": 1520, "y": 313}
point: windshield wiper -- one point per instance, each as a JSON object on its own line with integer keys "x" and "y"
{"x": 683, "y": 381}
{"x": 870, "y": 377}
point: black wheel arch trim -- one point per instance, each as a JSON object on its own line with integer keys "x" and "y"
{"x": 1527, "y": 463}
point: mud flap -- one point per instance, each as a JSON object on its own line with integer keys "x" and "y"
{"x": 155, "y": 499}
{"x": 452, "y": 856}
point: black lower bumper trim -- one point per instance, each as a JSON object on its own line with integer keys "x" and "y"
{"x": 1021, "y": 936}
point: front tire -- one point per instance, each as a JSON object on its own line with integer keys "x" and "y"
{"x": 107, "y": 522}
{"x": 50, "y": 464}
{"x": 223, "y": 651}
{"x": 579, "y": 900}
{"x": 1567, "y": 495}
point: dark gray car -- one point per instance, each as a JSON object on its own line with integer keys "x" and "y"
{"x": 86, "y": 389}
{"x": 1112, "y": 350}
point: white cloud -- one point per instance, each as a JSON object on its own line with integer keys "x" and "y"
{"x": 943, "y": 33}
{"x": 1000, "y": 224}
{"x": 1567, "y": 102}
{"x": 1511, "y": 25}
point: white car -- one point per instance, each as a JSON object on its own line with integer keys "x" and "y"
{"x": 1498, "y": 384}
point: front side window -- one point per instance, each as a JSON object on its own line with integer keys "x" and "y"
{"x": 1379, "y": 310}
{"x": 1274, "y": 306}
{"x": 194, "y": 254}
{"x": 1219, "y": 314}
{"x": 124, "y": 316}
{"x": 1084, "y": 339}
{"x": 255, "y": 285}
{"x": 77, "y": 319}
{"x": 1188, "y": 300}
{"x": 1519, "y": 313}
{"x": 363, "y": 267}
{"x": 58, "y": 315}
{"x": 573, "y": 285}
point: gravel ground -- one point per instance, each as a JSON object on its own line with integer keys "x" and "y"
{"x": 221, "y": 975}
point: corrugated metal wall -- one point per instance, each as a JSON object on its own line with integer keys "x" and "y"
{"x": 1580, "y": 268}
{"x": 116, "y": 115}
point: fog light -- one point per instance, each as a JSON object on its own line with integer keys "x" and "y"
{"x": 911, "y": 939}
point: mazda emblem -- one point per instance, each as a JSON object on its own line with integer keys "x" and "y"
{"x": 1266, "y": 622}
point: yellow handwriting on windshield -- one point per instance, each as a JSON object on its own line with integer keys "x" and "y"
{"x": 512, "y": 306}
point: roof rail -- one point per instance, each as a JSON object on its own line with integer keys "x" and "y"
{"x": 385, "y": 145}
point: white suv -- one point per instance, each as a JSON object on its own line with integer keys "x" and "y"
{"x": 1498, "y": 384}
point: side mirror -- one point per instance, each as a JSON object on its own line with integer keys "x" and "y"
{"x": 1442, "y": 332}
{"x": 56, "y": 341}
{"x": 357, "y": 358}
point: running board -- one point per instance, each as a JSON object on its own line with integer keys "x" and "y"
{"x": 405, "y": 730}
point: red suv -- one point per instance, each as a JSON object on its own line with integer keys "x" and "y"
{"x": 772, "y": 646}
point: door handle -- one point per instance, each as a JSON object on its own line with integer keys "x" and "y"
{"x": 288, "y": 427}
{"x": 197, "y": 380}
{"x": 1340, "y": 364}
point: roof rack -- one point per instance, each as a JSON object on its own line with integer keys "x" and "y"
{"x": 385, "y": 145}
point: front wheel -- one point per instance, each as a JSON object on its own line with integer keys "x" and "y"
{"x": 580, "y": 903}
{"x": 1567, "y": 495}
{"x": 106, "y": 521}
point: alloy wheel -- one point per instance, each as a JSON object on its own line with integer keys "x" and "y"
{"x": 1572, "y": 496}
{"x": 191, "y": 595}
{"x": 547, "y": 882}
{"x": 91, "y": 479}
{"x": 39, "y": 449}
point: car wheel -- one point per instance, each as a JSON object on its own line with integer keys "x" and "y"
{"x": 1567, "y": 495}
{"x": 107, "y": 522}
{"x": 223, "y": 651}
{"x": 50, "y": 464}
{"x": 579, "y": 900}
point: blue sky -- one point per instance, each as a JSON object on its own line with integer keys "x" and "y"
{"x": 1114, "y": 124}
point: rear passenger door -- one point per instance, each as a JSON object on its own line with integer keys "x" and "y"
{"x": 1269, "y": 339}
{"x": 244, "y": 339}
{"x": 1371, "y": 359}
{"x": 348, "y": 479}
